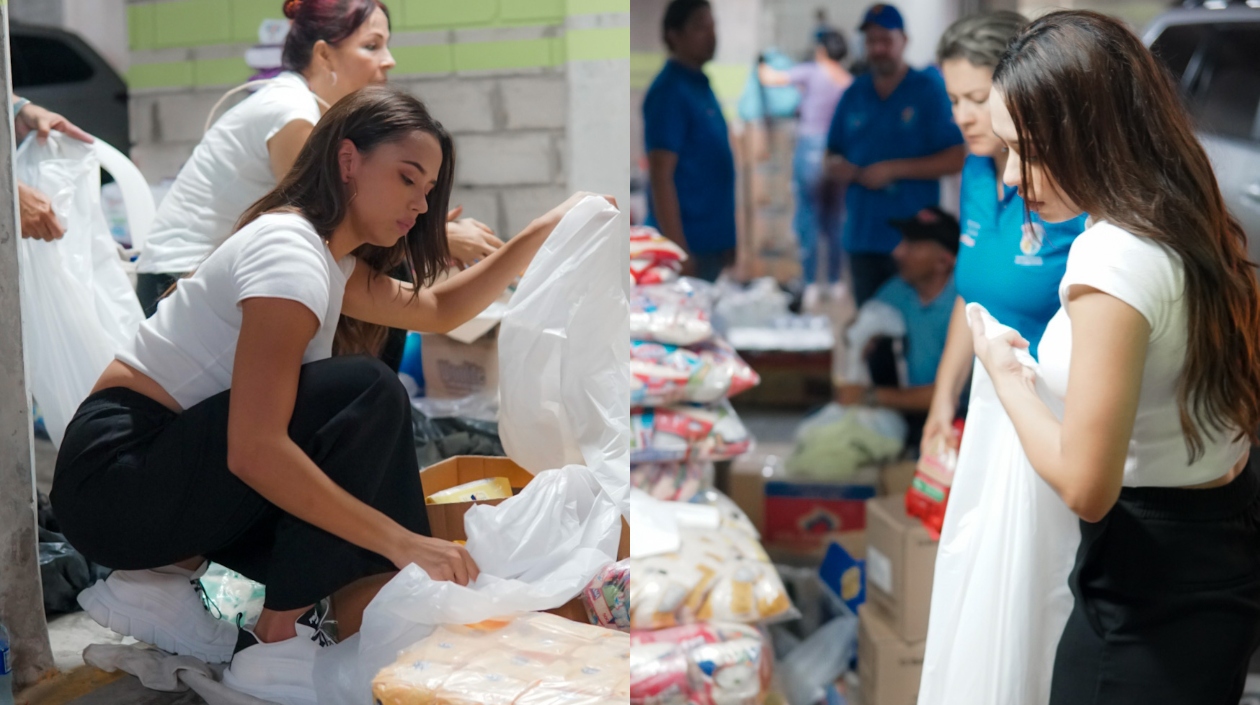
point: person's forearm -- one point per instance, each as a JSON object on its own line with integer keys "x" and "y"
{"x": 956, "y": 360}
{"x": 667, "y": 210}
{"x": 285, "y": 476}
{"x": 1041, "y": 435}
{"x": 941, "y": 164}
{"x": 908, "y": 399}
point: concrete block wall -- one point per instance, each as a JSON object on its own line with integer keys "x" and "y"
{"x": 508, "y": 78}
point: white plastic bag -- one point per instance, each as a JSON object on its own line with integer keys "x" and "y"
{"x": 874, "y": 320}
{"x": 536, "y": 551}
{"x": 1000, "y": 597}
{"x": 564, "y": 353}
{"x": 78, "y": 306}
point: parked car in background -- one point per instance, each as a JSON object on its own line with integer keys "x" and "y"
{"x": 1212, "y": 48}
{"x": 60, "y": 71}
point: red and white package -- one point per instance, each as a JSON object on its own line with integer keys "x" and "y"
{"x": 700, "y": 664}
{"x": 704, "y": 373}
{"x": 654, "y": 258}
{"x": 679, "y": 313}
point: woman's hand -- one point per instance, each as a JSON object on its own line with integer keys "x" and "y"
{"x": 37, "y": 219}
{"x": 441, "y": 560}
{"x": 939, "y": 424}
{"x": 44, "y": 121}
{"x": 468, "y": 239}
{"x": 998, "y": 354}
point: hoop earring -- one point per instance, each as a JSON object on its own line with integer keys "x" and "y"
{"x": 353, "y": 195}
{"x": 334, "y": 77}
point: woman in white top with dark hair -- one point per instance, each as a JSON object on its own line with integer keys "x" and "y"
{"x": 229, "y": 432}
{"x": 334, "y": 47}
{"x": 1155, "y": 356}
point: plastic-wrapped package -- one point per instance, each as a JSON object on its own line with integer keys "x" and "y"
{"x": 715, "y": 575}
{"x": 672, "y": 481}
{"x": 654, "y": 258}
{"x": 732, "y": 516}
{"x": 679, "y": 313}
{"x": 667, "y": 374}
{"x": 236, "y": 598}
{"x": 532, "y": 659}
{"x": 607, "y": 598}
{"x": 837, "y": 442}
{"x": 756, "y": 305}
{"x": 700, "y": 664}
{"x": 678, "y": 433}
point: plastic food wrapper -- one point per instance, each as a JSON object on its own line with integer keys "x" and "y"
{"x": 607, "y": 598}
{"x": 477, "y": 490}
{"x": 933, "y": 476}
{"x": 705, "y": 373}
{"x": 532, "y": 659}
{"x": 654, "y": 258}
{"x": 689, "y": 432}
{"x": 700, "y": 664}
{"x": 564, "y": 530}
{"x": 563, "y": 353}
{"x": 1000, "y": 595}
{"x": 756, "y": 305}
{"x": 672, "y": 481}
{"x": 714, "y": 575}
{"x": 78, "y": 305}
{"x": 234, "y": 597}
{"x": 732, "y": 516}
{"x": 679, "y": 313}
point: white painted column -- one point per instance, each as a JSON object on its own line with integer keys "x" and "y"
{"x": 597, "y": 132}
{"x": 21, "y": 594}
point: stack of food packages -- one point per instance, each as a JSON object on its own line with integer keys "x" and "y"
{"x": 697, "y": 612}
{"x": 683, "y": 375}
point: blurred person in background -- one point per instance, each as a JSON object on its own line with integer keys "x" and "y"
{"x": 892, "y": 139}
{"x": 691, "y": 166}
{"x": 818, "y": 202}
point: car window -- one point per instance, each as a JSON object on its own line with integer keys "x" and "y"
{"x": 1218, "y": 69}
{"x": 1176, "y": 46}
{"x": 43, "y": 61}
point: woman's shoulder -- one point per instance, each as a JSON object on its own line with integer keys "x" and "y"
{"x": 281, "y": 225}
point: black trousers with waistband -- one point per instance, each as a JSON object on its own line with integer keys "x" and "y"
{"x": 138, "y": 486}
{"x": 1167, "y": 590}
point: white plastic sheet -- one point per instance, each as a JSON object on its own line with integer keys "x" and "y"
{"x": 78, "y": 306}
{"x": 536, "y": 551}
{"x": 564, "y": 353}
{"x": 1000, "y": 596}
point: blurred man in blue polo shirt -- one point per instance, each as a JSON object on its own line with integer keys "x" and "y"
{"x": 892, "y": 138}
{"x": 690, "y": 163}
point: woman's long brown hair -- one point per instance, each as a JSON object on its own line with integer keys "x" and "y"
{"x": 313, "y": 188}
{"x": 1103, "y": 116}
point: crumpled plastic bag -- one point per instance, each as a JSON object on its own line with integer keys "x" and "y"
{"x": 875, "y": 319}
{"x": 564, "y": 353}
{"x": 836, "y": 442}
{"x": 553, "y": 556}
{"x": 439, "y": 439}
{"x": 78, "y": 306}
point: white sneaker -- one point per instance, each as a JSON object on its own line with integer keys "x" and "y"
{"x": 163, "y": 608}
{"x": 812, "y": 300}
{"x": 284, "y": 671}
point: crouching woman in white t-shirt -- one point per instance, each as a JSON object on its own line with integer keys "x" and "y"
{"x": 227, "y": 431}
{"x": 1151, "y": 370}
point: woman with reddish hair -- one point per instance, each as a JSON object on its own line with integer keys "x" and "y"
{"x": 334, "y": 48}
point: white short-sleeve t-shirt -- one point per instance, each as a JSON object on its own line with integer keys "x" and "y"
{"x": 228, "y": 171}
{"x": 1149, "y": 277}
{"x": 189, "y": 345}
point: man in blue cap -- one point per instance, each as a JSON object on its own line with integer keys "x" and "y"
{"x": 892, "y": 138}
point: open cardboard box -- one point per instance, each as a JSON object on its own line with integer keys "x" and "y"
{"x": 447, "y": 520}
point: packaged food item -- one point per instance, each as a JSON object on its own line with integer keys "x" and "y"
{"x": 929, "y": 491}
{"x": 732, "y": 516}
{"x": 687, "y": 433}
{"x": 477, "y": 490}
{"x": 607, "y": 598}
{"x": 678, "y": 313}
{"x": 654, "y": 258}
{"x": 531, "y": 659}
{"x": 704, "y": 373}
{"x": 700, "y": 664}
{"x": 716, "y": 574}
{"x": 672, "y": 481}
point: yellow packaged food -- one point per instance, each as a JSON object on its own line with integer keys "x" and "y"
{"x": 532, "y": 659}
{"x": 477, "y": 490}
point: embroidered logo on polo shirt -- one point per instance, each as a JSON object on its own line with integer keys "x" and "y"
{"x": 969, "y": 235}
{"x": 907, "y": 115}
{"x": 1030, "y": 244}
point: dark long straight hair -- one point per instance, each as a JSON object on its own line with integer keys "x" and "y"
{"x": 313, "y": 188}
{"x": 1102, "y": 115}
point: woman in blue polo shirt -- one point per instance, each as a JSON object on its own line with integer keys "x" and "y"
{"x": 1009, "y": 261}
{"x": 690, "y": 163}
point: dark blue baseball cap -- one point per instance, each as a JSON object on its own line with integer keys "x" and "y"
{"x": 882, "y": 15}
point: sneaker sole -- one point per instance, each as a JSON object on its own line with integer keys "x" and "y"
{"x": 282, "y": 694}
{"x": 104, "y": 607}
